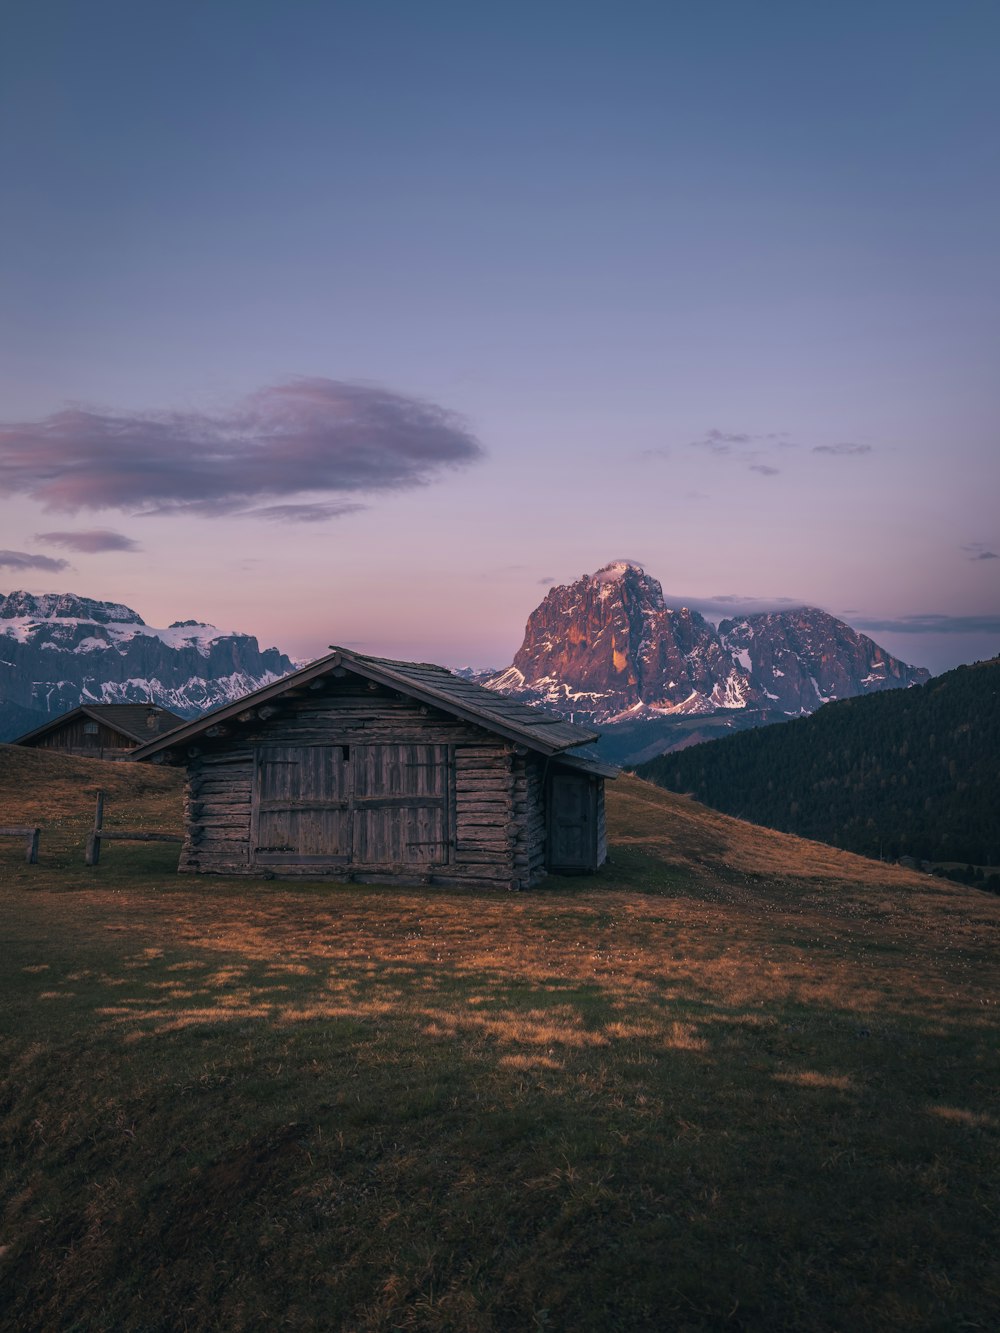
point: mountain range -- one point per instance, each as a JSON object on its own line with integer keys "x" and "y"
{"x": 609, "y": 651}
{"x": 58, "y": 650}
{"x": 605, "y": 650}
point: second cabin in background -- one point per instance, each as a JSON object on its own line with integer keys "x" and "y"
{"x": 361, "y": 768}
{"x": 102, "y": 731}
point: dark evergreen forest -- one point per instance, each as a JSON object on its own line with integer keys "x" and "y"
{"x": 912, "y": 772}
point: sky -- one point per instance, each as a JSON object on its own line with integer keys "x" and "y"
{"x": 365, "y": 323}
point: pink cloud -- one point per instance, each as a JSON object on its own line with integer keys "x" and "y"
{"x": 307, "y": 437}
{"x": 89, "y": 541}
{"x": 22, "y": 560}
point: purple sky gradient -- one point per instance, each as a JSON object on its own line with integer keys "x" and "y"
{"x": 359, "y": 323}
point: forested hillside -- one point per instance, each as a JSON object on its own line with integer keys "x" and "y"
{"x": 909, "y": 772}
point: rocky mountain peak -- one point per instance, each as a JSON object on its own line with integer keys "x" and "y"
{"x": 607, "y": 649}
{"x": 607, "y": 646}
{"x": 66, "y": 606}
{"x": 808, "y": 657}
{"x": 627, "y": 579}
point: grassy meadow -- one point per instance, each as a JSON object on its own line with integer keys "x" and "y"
{"x": 734, "y": 1081}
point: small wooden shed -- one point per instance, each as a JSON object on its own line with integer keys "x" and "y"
{"x": 102, "y": 731}
{"x": 361, "y": 768}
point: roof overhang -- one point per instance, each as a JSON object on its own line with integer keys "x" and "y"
{"x": 586, "y": 763}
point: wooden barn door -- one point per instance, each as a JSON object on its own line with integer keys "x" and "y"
{"x": 301, "y": 810}
{"x": 400, "y": 803}
{"x": 572, "y": 823}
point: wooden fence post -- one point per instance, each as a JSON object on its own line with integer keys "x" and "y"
{"x": 30, "y": 836}
{"x": 93, "y": 853}
{"x": 99, "y": 834}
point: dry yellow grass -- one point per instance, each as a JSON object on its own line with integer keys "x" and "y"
{"x": 736, "y": 1080}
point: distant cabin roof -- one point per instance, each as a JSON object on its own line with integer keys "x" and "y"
{"x": 132, "y": 720}
{"x": 430, "y": 684}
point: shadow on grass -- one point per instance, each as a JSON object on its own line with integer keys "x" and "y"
{"x": 240, "y": 1127}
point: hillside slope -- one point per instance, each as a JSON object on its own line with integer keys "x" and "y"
{"x": 58, "y": 792}
{"x": 734, "y": 1080}
{"x": 909, "y": 772}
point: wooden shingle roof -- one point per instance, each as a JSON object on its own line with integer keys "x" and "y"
{"x": 131, "y": 720}
{"x": 535, "y": 723}
{"x": 425, "y": 682}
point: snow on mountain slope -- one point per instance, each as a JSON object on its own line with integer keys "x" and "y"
{"x": 606, "y": 649}
{"x": 58, "y": 650}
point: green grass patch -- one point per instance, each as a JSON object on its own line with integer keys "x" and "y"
{"x": 730, "y": 1082}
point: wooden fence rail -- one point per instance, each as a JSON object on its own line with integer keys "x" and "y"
{"x": 100, "y": 834}
{"x": 30, "y": 836}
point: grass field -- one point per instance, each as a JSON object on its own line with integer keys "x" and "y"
{"x": 735, "y": 1081}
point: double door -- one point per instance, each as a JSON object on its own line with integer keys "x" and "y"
{"x": 357, "y": 805}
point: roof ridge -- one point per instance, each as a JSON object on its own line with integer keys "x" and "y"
{"x": 390, "y": 661}
{"x": 436, "y": 685}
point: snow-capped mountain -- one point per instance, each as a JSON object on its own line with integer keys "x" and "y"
{"x": 58, "y": 650}
{"x": 608, "y": 650}
{"x": 806, "y": 657}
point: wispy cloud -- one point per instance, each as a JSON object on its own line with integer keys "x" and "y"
{"x": 725, "y": 443}
{"x": 22, "y": 560}
{"x": 309, "y": 436}
{"x": 730, "y": 606}
{"x": 761, "y": 603}
{"x": 303, "y": 513}
{"x": 979, "y": 551}
{"x": 843, "y": 450}
{"x": 89, "y": 541}
{"x": 751, "y": 450}
{"x": 934, "y": 624}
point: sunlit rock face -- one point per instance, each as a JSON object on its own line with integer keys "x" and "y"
{"x": 58, "y": 650}
{"x": 608, "y": 649}
{"x": 607, "y": 646}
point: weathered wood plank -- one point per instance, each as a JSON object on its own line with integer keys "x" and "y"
{"x": 492, "y": 798}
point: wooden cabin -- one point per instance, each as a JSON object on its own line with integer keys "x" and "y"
{"x": 360, "y": 768}
{"x": 102, "y": 731}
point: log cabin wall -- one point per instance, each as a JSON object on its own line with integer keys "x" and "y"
{"x": 529, "y": 815}
{"x": 85, "y": 737}
{"x": 359, "y": 782}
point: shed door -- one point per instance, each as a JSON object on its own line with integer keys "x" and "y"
{"x": 301, "y": 805}
{"x": 572, "y": 823}
{"x": 400, "y": 804}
